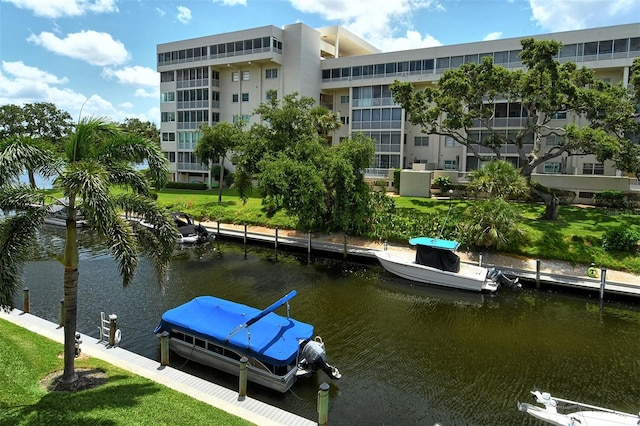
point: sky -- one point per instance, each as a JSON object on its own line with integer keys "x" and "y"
{"x": 98, "y": 57}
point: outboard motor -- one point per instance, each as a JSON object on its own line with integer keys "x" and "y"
{"x": 498, "y": 276}
{"x": 201, "y": 231}
{"x": 314, "y": 357}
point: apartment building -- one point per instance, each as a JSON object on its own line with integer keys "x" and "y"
{"x": 224, "y": 77}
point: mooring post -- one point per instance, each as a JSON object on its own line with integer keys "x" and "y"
{"x": 538, "y": 274}
{"x": 480, "y": 260}
{"x": 242, "y": 392}
{"x": 323, "y": 404}
{"x": 309, "y": 243}
{"x": 385, "y": 245}
{"x": 245, "y": 233}
{"x": 61, "y": 313}
{"x": 164, "y": 348}
{"x": 25, "y": 300}
{"x": 346, "y": 249}
{"x": 218, "y": 230}
{"x": 113, "y": 318}
{"x": 276, "y": 241}
{"x": 603, "y": 277}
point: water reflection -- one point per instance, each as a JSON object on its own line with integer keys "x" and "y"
{"x": 408, "y": 354}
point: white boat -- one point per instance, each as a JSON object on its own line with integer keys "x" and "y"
{"x": 576, "y": 413}
{"x": 58, "y": 216}
{"x": 435, "y": 262}
{"x": 190, "y": 233}
{"x": 218, "y": 333}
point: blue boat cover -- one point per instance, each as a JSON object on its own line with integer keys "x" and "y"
{"x": 274, "y": 339}
{"x": 435, "y": 243}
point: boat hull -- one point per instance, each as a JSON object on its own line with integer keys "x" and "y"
{"x": 470, "y": 277}
{"x": 255, "y": 373}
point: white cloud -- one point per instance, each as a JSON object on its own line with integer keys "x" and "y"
{"x": 493, "y": 36}
{"x": 160, "y": 11}
{"x": 149, "y": 93}
{"x": 134, "y": 76}
{"x": 184, "y": 14}
{"x": 231, "y": 2}
{"x": 61, "y": 8}
{"x": 89, "y": 46}
{"x": 554, "y": 15}
{"x": 381, "y": 22}
{"x": 21, "y": 84}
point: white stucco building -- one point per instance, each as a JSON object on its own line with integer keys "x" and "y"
{"x": 224, "y": 77}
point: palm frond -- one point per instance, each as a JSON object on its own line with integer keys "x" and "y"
{"x": 18, "y": 155}
{"x": 16, "y": 236}
{"x": 20, "y": 197}
{"x": 124, "y": 248}
{"x": 90, "y": 133}
{"x": 124, "y": 174}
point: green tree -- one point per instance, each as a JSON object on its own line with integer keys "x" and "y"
{"x": 40, "y": 123}
{"x": 296, "y": 170}
{"x": 145, "y": 129}
{"x": 214, "y": 144}
{"x": 98, "y": 155}
{"x": 465, "y": 101}
{"x": 498, "y": 178}
{"x": 491, "y": 224}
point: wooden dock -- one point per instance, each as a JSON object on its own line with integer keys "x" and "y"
{"x": 225, "y": 399}
{"x": 546, "y": 276}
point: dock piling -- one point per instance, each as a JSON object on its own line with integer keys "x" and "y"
{"x": 346, "y": 249}
{"x": 25, "y": 300}
{"x": 603, "y": 277}
{"x": 538, "y": 274}
{"x": 276, "y": 239}
{"x": 242, "y": 378}
{"x": 113, "y": 318}
{"x": 323, "y": 404}
{"x": 164, "y": 348}
{"x": 480, "y": 260}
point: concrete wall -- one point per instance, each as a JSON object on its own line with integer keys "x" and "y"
{"x": 415, "y": 183}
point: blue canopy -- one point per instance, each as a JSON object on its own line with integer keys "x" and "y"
{"x": 274, "y": 339}
{"x": 435, "y": 243}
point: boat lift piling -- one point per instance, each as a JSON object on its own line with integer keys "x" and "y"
{"x": 323, "y": 404}
{"x": 242, "y": 379}
{"x": 538, "y": 274}
{"x": 25, "y": 300}
{"x": 164, "y": 348}
{"x": 603, "y": 275}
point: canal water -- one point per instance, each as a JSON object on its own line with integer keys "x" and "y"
{"x": 409, "y": 355}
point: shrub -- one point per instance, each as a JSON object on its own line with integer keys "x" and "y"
{"x": 610, "y": 199}
{"x": 396, "y": 180}
{"x": 186, "y": 185}
{"x": 620, "y": 239}
{"x": 442, "y": 182}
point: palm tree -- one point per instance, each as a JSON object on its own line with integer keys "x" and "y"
{"x": 99, "y": 155}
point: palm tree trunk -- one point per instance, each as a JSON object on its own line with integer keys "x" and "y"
{"x": 32, "y": 178}
{"x": 71, "y": 275}
{"x": 221, "y": 178}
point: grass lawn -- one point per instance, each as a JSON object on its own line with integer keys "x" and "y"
{"x": 126, "y": 399}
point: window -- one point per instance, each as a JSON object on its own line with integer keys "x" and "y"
{"x": 552, "y": 167}
{"x": 344, "y": 99}
{"x": 450, "y": 142}
{"x": 554, "y": 140}
{"x": 593, "y": 169}
{"x": 168, "y": 137}
{"x": 241, "y": 118}
{"x": 344, "y": 120}
{"x": 271, "y": 73}
{"x": 559, "y": 116}
{"x": 450, "y": 165}
{"x": 234, "y": 97}
{"x": 245, "y": 97}
{"x": 235, "y": 76}
{"x": 167, "y": 97}
{"x": 245, "y": 75}
{"x": 588, "y": 195}
{"x": 167, "y": 76}
{"x": 167, "y": 117}
{"x": 421, "y": 141}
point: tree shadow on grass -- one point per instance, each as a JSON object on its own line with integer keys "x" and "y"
{"x": 82, "y": 407}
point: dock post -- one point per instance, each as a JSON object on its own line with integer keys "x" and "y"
{"x": 538, "y": 274}
{"x": 480, "y": 260}
{"x": 113, "y": 318}
{"x": 309, "y": 243}
{"x": 385, "y": 245}
{"x": 245, "y": 232}
{"x": 323, "y": 404}
{"x": 218, "y": 230}
{"x": 242, "y": 393}
{"x": 603, "y": 277}
{"x": 61, "y": 313}
{"x": 276, "y": 241}
{"x": 346, "y": 249}
{"x": 164, "y": 348}
{"x": 25, "y": 300}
